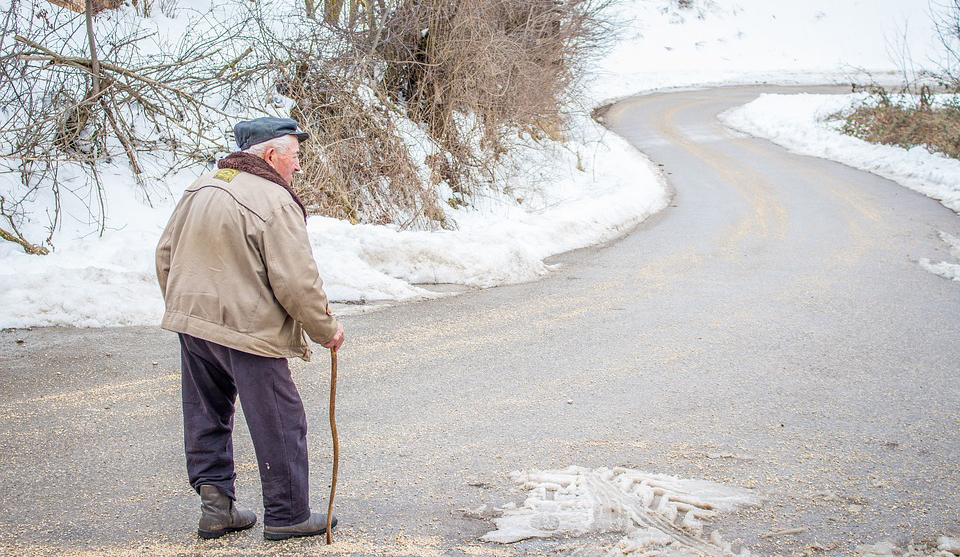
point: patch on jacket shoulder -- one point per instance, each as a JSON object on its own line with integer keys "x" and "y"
{"x": 226, "y": 174}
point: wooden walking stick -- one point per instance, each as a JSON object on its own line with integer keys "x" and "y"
{"x": 336, "y": 441}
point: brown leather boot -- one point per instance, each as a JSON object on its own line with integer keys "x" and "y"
{"x": 219, "y": 515}
{"x": 315, "y": 525}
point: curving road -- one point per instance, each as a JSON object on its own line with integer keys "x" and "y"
{"x": 771, "y": 329}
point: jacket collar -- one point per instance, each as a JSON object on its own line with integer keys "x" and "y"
{"x": 252, "y": 164}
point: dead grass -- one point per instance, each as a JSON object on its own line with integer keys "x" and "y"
{"x": 472, "y": 75}
{"x": 358, "y": 166}
{"x": 508, "y": 64}
{"x": 891, "y": 122}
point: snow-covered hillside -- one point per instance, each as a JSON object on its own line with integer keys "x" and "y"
{"x": 722, "y": 42}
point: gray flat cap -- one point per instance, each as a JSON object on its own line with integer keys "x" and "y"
{"x": 250, "y": 132}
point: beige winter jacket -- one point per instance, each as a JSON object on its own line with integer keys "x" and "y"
{"x": 235, "y": 268}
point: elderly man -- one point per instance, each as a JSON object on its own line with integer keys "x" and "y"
{"x": 241, "y": 288}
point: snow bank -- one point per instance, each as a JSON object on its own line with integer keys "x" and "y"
{"x": 92, "y": 278}
{"x": 92, "y": 281}
{"x": 803, "y": 124}
{"x": 806, "y": 124}
{"x": 500, "y": 241}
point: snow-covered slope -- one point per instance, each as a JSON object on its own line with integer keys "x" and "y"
{"x": 719, "y": 42}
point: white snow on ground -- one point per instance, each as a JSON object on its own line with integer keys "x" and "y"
{"x": 944, "y": 269}
{"x": 945, "y": 547}
{"x": 806, "y": 124}
{"x": 106, "y": 280}
{"x": 722, "y": 42}
{"x": 656, "y": 514}
{"x": 652, "y": 514}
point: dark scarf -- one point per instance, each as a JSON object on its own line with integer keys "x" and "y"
{"x": 252, "y": 164}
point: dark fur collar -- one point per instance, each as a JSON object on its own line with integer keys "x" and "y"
{"x": 252, "y": 164}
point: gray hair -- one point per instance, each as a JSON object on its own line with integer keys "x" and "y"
{"x": 283, "y": 144}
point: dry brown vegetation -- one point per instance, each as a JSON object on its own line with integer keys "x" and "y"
{"x": 912, "y": 117}
{"x": 469, "y": 75}
{"x": 511, "y": 63}
{"x": 894, "y": 122}
{"x": 473, "y": 73}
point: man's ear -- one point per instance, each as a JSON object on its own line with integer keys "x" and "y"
{"x": 269, "y": 154}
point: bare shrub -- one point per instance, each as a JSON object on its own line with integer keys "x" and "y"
{"x": 474, "y": 75}
{"x": 169, "y": 8}
{"x": 357, "y": 165}
{"x": 896, "y": 121}
{"x": 477, "y": 72}
{"x": 55, "y": 115}
{"x": 946, "y": 14}
{"x": 910, "y": 115}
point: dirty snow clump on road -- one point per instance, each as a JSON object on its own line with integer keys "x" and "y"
{"x": 945, "y": 547}
{"x": 944, "y": 269}
{"x": 654, "y": 512}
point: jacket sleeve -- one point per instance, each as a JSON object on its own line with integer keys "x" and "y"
{"x": 293, "y": 274}
{"x": 163, "y": 258}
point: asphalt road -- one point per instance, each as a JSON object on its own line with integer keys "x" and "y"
{"x": 771, "y": 330}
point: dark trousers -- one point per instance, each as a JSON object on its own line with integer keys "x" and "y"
{"x": 213, "y": 376}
